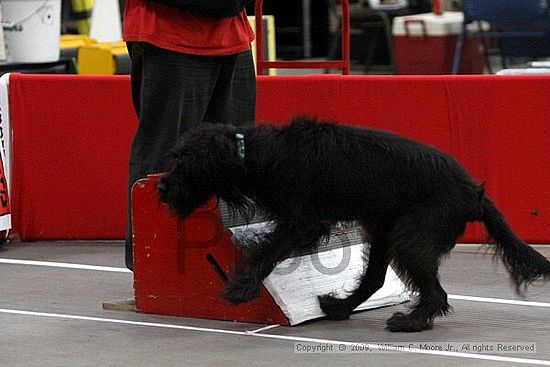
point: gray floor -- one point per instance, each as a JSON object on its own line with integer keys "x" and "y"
{"x": 53, "y": 316}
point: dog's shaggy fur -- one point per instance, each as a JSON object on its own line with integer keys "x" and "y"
{"x": 413, "y": 200}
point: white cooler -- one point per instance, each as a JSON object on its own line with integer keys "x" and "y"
{"x": 425, "y": 44}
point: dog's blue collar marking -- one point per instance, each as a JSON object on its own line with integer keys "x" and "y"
{"x": 240, "y": 144}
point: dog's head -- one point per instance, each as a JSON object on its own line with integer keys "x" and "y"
{"x": 205, "y": 162}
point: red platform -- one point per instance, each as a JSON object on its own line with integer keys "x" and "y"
{"x": 175, "y": 270}
{"x": 496, "y": 126}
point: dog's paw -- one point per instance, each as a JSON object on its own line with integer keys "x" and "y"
{"x": 334, "y": 308}
{"x": 400, "y": 322}
{"x": 238, "y": 293}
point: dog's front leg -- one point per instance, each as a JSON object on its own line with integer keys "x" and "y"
{"x": 245, "y": 284}
{"x": 266, "y": 253}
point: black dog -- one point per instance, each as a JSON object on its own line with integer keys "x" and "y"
{"x": 413, "y": 200}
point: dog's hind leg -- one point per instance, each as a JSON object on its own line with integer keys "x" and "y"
{"x": 272, "y": 248}
{"x": 371, "y": 281}
{"x": 416, "y": 244}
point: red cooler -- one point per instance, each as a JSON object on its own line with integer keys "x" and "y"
{"x": 425, "y": 44}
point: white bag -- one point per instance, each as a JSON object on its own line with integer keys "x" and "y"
{"x": 388, "y": 4}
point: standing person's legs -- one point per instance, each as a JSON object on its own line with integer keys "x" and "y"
{"x": 234, "y": 96}
{"x": 234, "y": 99}
{"x": 171, "y": 91}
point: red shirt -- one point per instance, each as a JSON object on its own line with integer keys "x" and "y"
{"x": 172, "y": 29}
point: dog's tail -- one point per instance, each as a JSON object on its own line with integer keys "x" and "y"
{"x": 524, "y": 264}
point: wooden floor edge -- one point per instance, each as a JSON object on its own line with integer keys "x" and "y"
{"x": 127, "y": 305}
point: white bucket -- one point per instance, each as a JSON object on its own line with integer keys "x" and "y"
{"x": 31, "y": 30}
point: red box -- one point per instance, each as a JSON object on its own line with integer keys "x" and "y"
{"x": 425, "y": 44}
{"x": 179, "y": 265}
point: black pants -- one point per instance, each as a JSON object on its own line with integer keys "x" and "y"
{"x": 172, "y": 91}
